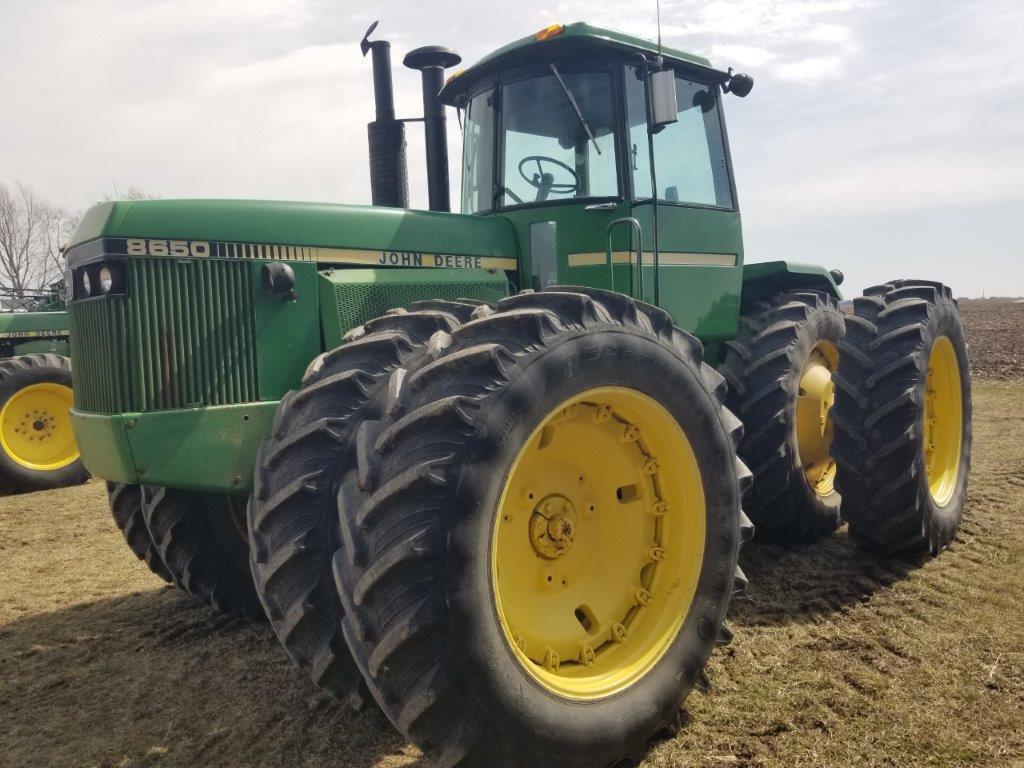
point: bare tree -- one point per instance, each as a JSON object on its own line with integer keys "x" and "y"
{"x": 31, "y": 234}
{"x": 131, "y": 192}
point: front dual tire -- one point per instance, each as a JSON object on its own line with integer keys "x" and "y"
{"x": 496, "y": 629}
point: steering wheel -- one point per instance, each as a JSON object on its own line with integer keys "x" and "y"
{"x": 543, "y": 182}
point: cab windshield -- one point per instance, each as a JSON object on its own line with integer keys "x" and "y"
{"x": 557, "y": 141}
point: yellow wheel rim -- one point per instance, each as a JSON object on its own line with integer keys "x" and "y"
{"x": 35, "y": 427}
{"x": 814, "y": 401}
{"x": 943, "y": 421}
{"x": 598, "y": 543}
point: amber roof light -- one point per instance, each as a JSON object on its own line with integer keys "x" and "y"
{"x": 551, "y": 31}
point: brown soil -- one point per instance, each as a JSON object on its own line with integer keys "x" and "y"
{"x": 841, "y": 658}
{"x": 995, "y": 331}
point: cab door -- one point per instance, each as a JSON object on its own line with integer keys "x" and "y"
{"x": 699, "y": 234}
{"x": 558, "y": 177}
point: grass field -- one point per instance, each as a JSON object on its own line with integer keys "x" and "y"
{"x": 840, "y": 658}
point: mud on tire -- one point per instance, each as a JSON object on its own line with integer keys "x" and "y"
{"x": 413, "y": 568}
{"x": 201, "y": 539}
{"x": 880, "y": 416}
{"x": 292, "y": 517}
{"x": 763, "y": 367}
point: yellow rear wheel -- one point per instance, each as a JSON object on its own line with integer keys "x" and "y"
{"x": 35, "y": 428}
{"x": 598, "y": 542}
{"x": 943, "y": 421}
{"x": 814, "y": 402}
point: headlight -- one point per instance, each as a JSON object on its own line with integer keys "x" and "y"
{"x": 86, "y": 283}
{"x": 106, "y": 279}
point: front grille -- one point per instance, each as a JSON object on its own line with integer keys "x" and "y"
{"x": 182, "y": 337}
{"x": 360, "y": 302}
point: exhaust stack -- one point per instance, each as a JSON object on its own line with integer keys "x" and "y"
{"x": 432, "y": 61}
{"x": 389, "y": 174}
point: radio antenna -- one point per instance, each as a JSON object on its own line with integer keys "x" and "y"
{"x": 657, "y": 6}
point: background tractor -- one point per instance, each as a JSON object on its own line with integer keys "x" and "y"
{"x": 486, "y": 467}
{"x": 37, "y": 443}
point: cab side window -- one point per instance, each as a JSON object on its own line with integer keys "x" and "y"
{"x": 690, "y": 158}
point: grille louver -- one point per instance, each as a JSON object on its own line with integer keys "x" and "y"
{"x": 182, "y": 337}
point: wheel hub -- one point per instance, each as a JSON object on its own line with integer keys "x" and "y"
{"x": 598, "y": 542}
{"x": 553, "y": 526}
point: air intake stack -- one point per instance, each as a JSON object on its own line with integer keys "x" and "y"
{"x": 389, "y": 174}
{"x": 432, "y": 61}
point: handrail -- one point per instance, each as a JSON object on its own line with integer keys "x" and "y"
{"x": 639, "y": 249}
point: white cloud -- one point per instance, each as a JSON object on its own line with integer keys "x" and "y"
{"x": 303, "y": 65}
{"x": 864, "y": 110}
{"x": 727, "y": 54}
{"x": 816, "y": 69}
{"x": 828, "y": 33}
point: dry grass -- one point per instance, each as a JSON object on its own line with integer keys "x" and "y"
{"x": 840, "y": 658}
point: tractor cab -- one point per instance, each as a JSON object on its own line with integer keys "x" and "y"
{"x": 559, "y": 133}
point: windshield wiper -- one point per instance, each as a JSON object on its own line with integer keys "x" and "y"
{"x": 576, "y": 107}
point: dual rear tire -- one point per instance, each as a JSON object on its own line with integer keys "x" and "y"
{"x": 866, "y": 413}
{"x": 903, "y": 417}
{"x": 780, "y": 370}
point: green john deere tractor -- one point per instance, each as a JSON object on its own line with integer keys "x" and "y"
{"x": 487, "y": 467}
{"x": 37, "y": 443}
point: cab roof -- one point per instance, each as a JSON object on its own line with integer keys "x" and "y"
{"x": 576, "y": 39}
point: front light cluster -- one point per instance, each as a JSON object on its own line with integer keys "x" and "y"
{"x": 100, "y": 279}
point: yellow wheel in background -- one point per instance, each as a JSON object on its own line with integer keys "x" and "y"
{"x": 598, "y": 543}
{"x": 943, "y": 421}
{"x": 813, "y": 423}
{"x": 35, "y": 428}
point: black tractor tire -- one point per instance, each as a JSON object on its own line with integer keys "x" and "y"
{"x": 414, "y": 572}
{"x": 879, "y": 417}
{"x": 763, "y": 367}
{"x": 293, "y": 518}
{"x": 201, "y": 539}
{"x": 17, "y": 373}
{"x": 125, "y": 502}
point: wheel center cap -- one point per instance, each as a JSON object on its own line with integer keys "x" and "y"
{"x": 553, "y": 526}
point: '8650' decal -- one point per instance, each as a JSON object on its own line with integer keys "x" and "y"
{"x": 196, "y": 249}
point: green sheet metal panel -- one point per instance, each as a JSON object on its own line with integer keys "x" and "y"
{"x": 211, "y": 449}
{"x": 301, "y": 224}
{"x": 703, "y": 298}
{"x": 286, "y": 331}
{"x": 350, "y": 297}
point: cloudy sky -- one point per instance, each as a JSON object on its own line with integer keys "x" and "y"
{"x": 884, "y": 137}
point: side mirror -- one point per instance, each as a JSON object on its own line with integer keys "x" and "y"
{"x": 739, "y": 84}
{"x": 664, "y": 109}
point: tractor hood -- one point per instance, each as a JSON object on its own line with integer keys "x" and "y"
{"x": 320, "y": 232}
